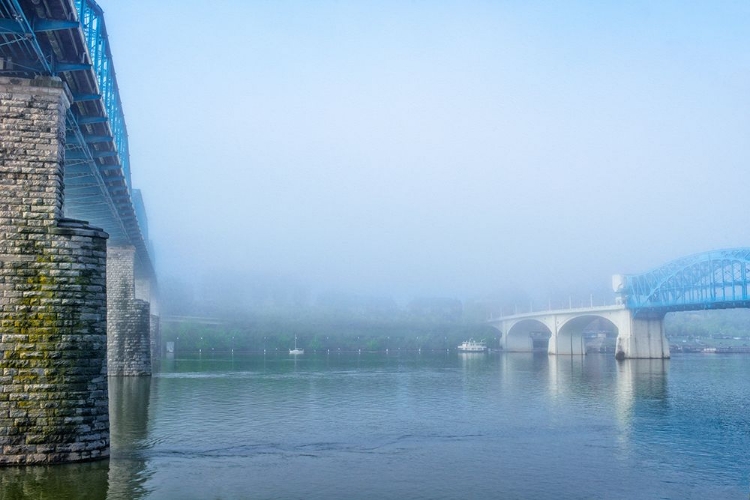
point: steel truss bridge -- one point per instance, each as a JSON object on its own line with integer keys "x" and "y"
{"x": 68, "y": 39}
{"x": 711, "y": 280}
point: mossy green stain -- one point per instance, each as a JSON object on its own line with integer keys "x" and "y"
{"x": 41, "y": 324}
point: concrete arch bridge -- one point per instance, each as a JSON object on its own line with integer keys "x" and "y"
{"x": 716, "y": 279}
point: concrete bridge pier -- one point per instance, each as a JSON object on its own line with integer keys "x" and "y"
{"x": 517, "y": 343}
{"x": 128, "y": 317}
{"x": 641, "y": 338}
{"x": 570, "y": 344}
{"x": 53, "y": 384}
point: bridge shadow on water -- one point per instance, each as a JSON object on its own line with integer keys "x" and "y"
{"x": 121, "y": 477}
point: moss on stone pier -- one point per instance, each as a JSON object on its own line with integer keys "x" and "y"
{"x": 53, "y": 402}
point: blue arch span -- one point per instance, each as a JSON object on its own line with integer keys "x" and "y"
{"x": 710, "y": 280}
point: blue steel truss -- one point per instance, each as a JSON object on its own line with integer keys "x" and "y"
{"x": 92, "y": 23}
{"x": 711, "y": 280}
{"x": 68, "y": 39}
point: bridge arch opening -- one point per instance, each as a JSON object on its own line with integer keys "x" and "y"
{"x": 582, "y": 334}
{"x": 528, "y": 335}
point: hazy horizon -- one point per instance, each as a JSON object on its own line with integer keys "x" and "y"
{"x": 458, "y": 149}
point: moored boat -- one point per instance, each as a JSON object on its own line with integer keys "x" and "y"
{"x": 472, "y": 345}
{"x": 296, "y": 350}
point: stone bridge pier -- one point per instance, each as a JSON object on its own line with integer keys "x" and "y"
{"x": 53, "y": 307}
{"x": 129, "y": 317}
{"x": 145, "y": 289}
{"x": 72, "y": 309}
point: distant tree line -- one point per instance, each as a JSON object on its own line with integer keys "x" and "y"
{"x": 278, "y": 333}
{"x": 338, "y": 322}
{"x": 257, "y": 313}
{"x": 709, "y": 324}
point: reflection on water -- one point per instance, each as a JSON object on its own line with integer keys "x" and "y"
{"x": 86, "y": 481}
{"x": 120, "y": 477}
{"x": 562, "y": 371}
{"x": 418, "y": 426}
{"x": 129, "y": 410}
{"x": 638, "y": 379}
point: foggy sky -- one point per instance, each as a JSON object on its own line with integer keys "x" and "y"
{"x": 436, "y": 148}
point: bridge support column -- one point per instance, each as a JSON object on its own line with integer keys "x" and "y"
{"x": 128, "y": 318}
{"x": 518, "y": 343}
{"x": 53, "y": 385}
{"x": 571, "y": 345}
{"x": 145, "y": 290}
{"x": 642, "y": 338}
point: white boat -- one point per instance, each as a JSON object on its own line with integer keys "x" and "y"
{"x": 296, "y": 350}
{"x": 472, "y": 346}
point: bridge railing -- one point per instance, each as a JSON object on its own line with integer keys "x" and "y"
{"x": 556, "y": 307}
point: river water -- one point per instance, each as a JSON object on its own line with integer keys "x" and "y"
{"x": 418, "y": 426}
